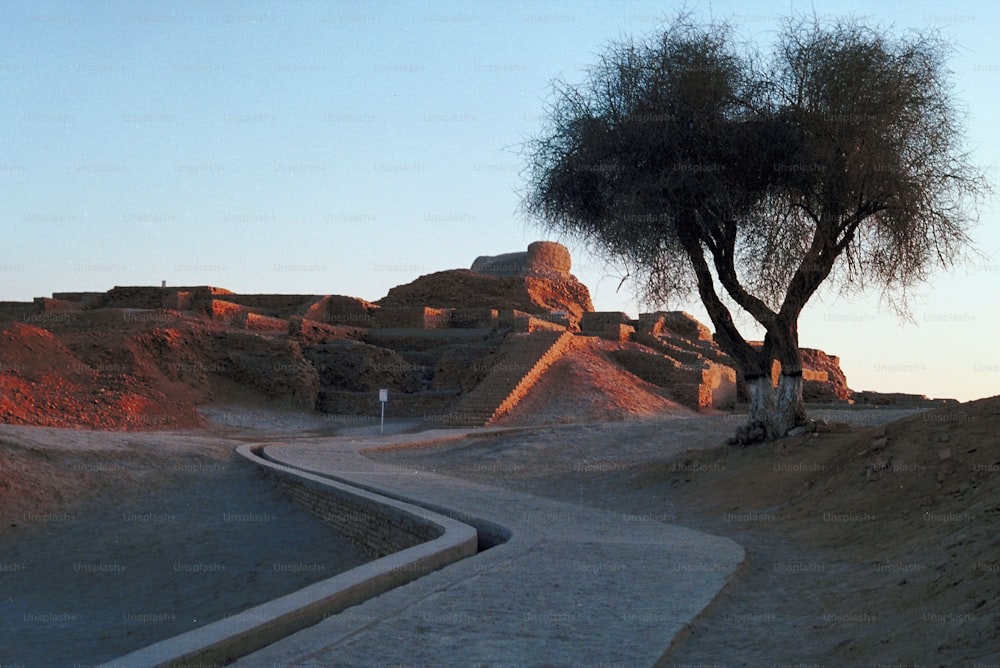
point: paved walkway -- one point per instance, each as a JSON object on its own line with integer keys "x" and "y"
{"x": 572, "y": 586}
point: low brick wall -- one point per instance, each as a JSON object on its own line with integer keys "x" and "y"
{"x": 83, "y": 298}
{"x": 596, "y": 322}
{"x": 377, "y": 529}
{"x": 474, "y": 318}
{"x": 398, "y": 523}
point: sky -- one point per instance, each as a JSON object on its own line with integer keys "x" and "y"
{"x": 348, "y": 147}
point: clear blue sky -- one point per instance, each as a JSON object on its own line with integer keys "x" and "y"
{"x": 347, "y": 147}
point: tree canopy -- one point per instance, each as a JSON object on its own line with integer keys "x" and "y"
{"x": 703, "y": 164}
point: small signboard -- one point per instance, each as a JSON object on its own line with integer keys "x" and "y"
{"x": 383, "y": 396}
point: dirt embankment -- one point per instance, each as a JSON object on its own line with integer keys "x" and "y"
{"x": 878, "y": 544}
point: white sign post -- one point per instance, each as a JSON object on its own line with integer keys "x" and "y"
{"x": 383, "y": 396}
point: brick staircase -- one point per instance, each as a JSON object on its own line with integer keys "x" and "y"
{"x": 522, "y": 361}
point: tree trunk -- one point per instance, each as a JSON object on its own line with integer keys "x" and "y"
{"x": 773, "y": 410}
{"x": 759, "y": 421}
{"x": 789, "y": 411}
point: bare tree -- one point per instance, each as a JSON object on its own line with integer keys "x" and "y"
{"x": 702, "y": 165}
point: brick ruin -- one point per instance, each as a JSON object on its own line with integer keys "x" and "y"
{"x": 458, "y": 346}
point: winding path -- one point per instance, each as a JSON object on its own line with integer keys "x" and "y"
{"x": 560, "y": 584}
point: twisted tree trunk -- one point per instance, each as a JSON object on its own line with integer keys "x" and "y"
{"x": 774, "y": 409}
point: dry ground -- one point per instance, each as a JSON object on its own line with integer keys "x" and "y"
{"x": 847, "y": 565}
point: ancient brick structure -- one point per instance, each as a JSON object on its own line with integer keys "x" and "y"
{"x": 460, "y": 346}
{"x": 543, "y": 258}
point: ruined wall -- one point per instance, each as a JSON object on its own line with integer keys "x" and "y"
{"x": 358, "y": 367}
{"x": 462, "y": 289}
{"x": 543, "y": 258}
{"x": 147, "y": 297}
{"x": 680, "y": 323}
{"x": 412, "y": 317}
{"x": 341, "y": 310}
{"x": 702, "y": 385}
{"x": 275, "y": 305}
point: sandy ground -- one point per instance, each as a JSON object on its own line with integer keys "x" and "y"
{"x": 846, "y": 566}
{"x": 110, "y": 542}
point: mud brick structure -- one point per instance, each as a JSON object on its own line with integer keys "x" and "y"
{"x": 462, "y": 346}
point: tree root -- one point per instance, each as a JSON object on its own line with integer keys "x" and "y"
{"x": 752, "y": 432}
{"x": 756, "y": 431}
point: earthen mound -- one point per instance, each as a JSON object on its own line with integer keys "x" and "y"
{"x": 68, "y": 382}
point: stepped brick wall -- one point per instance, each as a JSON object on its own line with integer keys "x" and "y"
{"x": 699, "y": 384}
{"x": 425, "y": 370}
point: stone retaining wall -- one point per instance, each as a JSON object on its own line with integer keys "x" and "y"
{"x": 223, "y": 641}
{"x": 377, "y": 529}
